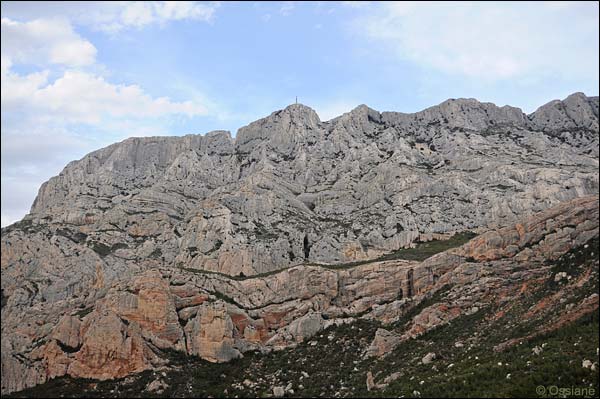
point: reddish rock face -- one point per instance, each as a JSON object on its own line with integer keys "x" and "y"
{"x": 431, "y": 317}
{"x": 548, "y": 234}
{"x": 149, "y": 303}
{"x": 67, "y": 331}
{"x": 110, "y": 349}
{"x": 384, "y": 342}
{"x": 273, "y": 319}
{"x": 57, "y": 361}
{"x": 210, "y": 334}
{"x": 111, "y": 342}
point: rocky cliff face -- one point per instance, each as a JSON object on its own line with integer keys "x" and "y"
{"x": 216, "y": 247}
{"x": 291, "y": 188}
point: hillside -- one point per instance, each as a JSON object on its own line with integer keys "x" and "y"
{"x": 371, "y": 239}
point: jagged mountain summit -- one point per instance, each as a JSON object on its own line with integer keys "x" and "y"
{"x": 290, "y": 188}
{"x": 214, "y": 246}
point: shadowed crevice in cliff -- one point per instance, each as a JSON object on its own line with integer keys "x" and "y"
{"x": 68, "y": 349}
{"x": 306, "y": 246}
{"x": 4, "y": 298}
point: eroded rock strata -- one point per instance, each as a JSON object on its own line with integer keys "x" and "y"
{"x": 215, "y": 247}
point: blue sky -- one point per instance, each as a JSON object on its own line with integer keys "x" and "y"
{"x": 78, "y": 76}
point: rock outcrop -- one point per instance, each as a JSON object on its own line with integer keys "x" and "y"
{"x": 509, "y": 260}
{"x": 219, "y": 318}
{"x": 214, "y": 247}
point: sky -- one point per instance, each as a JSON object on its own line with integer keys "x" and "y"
{"x": 77, "y": 76}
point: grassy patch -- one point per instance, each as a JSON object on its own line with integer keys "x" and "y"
{"x": 84, "y": 312}
{"x": 103, "y": 249}
{"x": 25, "y": 225}
{"x": 420, "y": 252}
{"x": 157, "y": 253}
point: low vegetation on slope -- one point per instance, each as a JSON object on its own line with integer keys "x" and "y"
{"x": 471, "y": 355}
{"x": 420, "y": 252}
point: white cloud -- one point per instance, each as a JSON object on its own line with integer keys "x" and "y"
{"x": 287, "y": 8}
{"x": 80, "y": 97}
{"x": 138, "y": 14}
{"x": 356, "y": 4}
{"x": 113, "y": 16}
{"x": 17, "y": 89}
{"x": 489, "y": 40}
{"x": 44, "y": 40}
{"x": 55, "y": 108}
{"x": 177, "y": 10}
{"x": 48, "y": 125}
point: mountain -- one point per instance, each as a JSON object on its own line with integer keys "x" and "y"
{"x": 219, "y": 247}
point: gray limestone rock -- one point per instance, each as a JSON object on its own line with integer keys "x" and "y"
{"x": 291, "y": 188}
